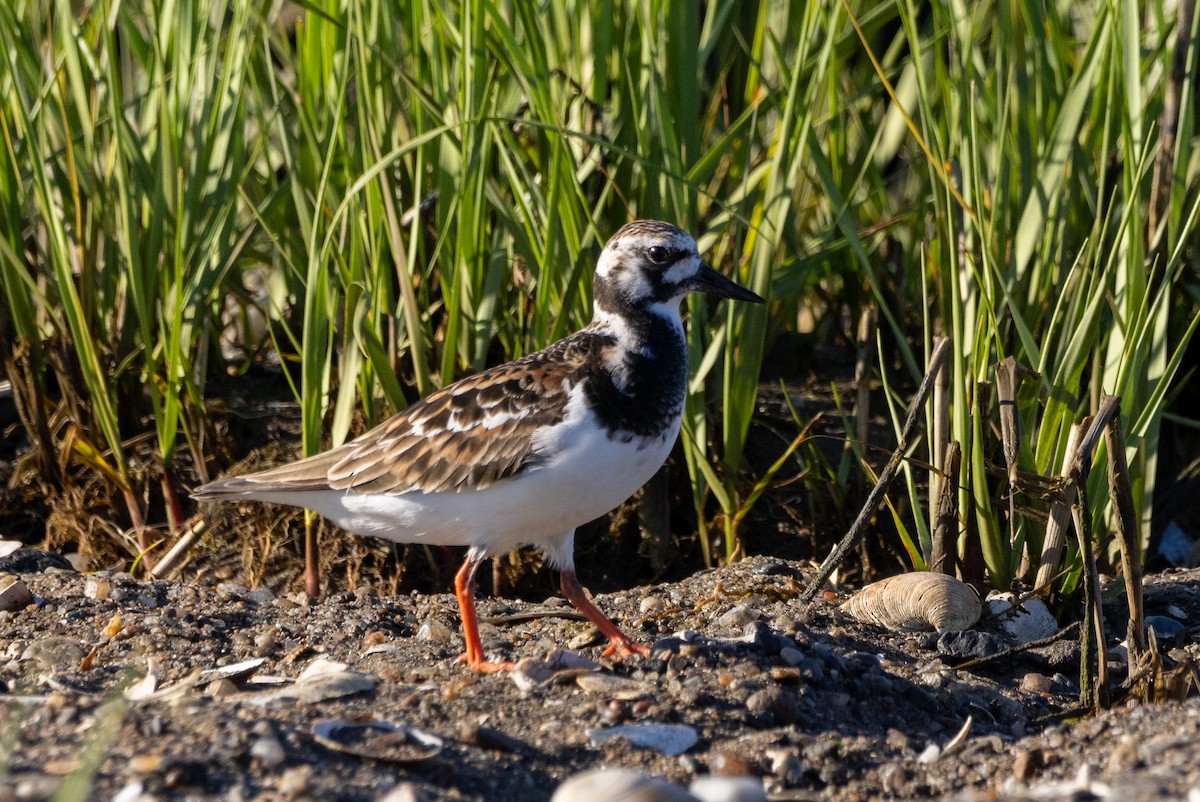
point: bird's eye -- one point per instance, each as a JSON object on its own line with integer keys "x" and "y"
{"x": 658, "y": 254}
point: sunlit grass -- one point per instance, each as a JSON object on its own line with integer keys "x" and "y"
{"x": 423, "y": 188}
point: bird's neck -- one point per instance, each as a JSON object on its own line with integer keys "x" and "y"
{"x": 644, "y": 369}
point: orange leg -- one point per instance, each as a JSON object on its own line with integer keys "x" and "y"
{"x": 464, "y": 589}
{"x": 618, "y": 642}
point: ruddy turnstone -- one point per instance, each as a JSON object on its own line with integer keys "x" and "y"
{"x": 522, "y": 453}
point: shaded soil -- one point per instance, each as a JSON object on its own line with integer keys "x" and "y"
{"x": 810, "y": 702}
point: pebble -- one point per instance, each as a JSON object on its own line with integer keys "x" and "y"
{"x": 1028, "y": 763}
{"x": 33, "y": 786}
{"x": 738, "y": 617}
{"x": 145, "y": 764}
{"x": 1165, "y": 627}
{"x": 793, "y": 657}
{"x": 56, "y": 653}
{"x": 221, "y": 689}
{"x": 669, "y": 739}
{"x": 434, "y": 630}
{"x": 786, "y": 765}
{"x": 776, "y": 702}
{"x": 97, "y": 587}
{"x": 404, "y": 792}
{"x": 651, "y": 604}
{"x": 266, "y": 746}
{"x": 968, "y": 644}
{"x": 729, "y": 763}
{"x": 294, "y": 781}
{"x": 611, "y": 685}
{"x": 728, "y": 789}
{"x": 490, "y": 738}
{"x": 1033, "y": 682}
{"x": 618, "y": 785}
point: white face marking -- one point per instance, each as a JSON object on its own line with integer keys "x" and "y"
{"x": 634, "y": 284}
{"x": 682, "y": 270}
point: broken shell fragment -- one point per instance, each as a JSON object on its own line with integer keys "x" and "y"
{"x": 237, "y": 673}
{"x": 14, "y": 594}
{"x": 378, "y": 740}
{"x": 918, "y": 601}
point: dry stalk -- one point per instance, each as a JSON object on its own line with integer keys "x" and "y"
{"x": 1128, "y": 537}
{"x": 1060, "y": 518}
{"x": 945, "y": 530}
{"x": 937, "y": 359}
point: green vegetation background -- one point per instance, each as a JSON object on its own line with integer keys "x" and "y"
{"x": 393, "y": 194}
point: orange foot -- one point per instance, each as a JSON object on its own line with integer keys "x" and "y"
{"x": 624, "y": 647}
{"x": 481, "y": 666}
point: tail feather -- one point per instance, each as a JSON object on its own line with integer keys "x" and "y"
{"x": 306, "y": 475}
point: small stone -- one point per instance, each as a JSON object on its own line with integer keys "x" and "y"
{"x": 619, "y": 785}
{"x": 489, "y": 738}
{"x": 738, "y": 617}
{"x": 786, "y": 675}
{"x": 651, "y": 604}
{"x": 260, "y": 596}
{"x": 898, "y": 740}
{"x": 1028, "y": 763}
{"x": 793, "y": 657}
{"x": 404, "y": 792}
{"x": 97, "y": 587}
{"x": 265, "y": 644}
{"x": 266, "y": 747}
{"x": 778, "y": 703}
{"x": 1033, "y": 682}
{"x": 589, "y": 637}
{"x": 1165, "y": 628}
{"x": 434, "y": 630}
{"x": 669, "y": 739}
{"x": 968, "y": 644}
{"x": 786, "y": 765}
{"x": 611, "y": 685}
{"x": 56, "y": 653}
{"x": 34, "y": 786}
{"x": 728, "y": 763}
{"x": 294, "y": 781}
{"x": 728, "y": 789}
{"x": 145, "y": 764}
{"x": 221, "y": 689}
{"x": 61, "y": 768}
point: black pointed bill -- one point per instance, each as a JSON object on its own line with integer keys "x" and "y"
{"x": 710, "y": 281}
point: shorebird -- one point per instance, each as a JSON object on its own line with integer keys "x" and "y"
{"x": 522, "y": 453}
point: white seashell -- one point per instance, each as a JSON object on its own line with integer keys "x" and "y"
{"x": 378, "y": 740}
{"x": 923, "y": 600}
{"x": 619, "y": 785}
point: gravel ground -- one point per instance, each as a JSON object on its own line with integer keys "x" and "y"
{"x": 744, "y": 680}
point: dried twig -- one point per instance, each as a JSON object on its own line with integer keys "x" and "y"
{"x": 945, "y": 528}
{"x": 936, "y": 360}
{"x": 1060, "y": 518}
{"x": 1128, "y": 537}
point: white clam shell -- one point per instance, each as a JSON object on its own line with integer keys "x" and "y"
{"x": 918, "y": 601}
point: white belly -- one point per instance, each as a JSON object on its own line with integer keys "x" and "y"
{"x": 589, "y": 475}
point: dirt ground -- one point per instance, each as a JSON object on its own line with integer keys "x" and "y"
{"x": 743, "y": 679}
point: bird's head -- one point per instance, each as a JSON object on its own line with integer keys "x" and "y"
{"x": 649, "y": 266}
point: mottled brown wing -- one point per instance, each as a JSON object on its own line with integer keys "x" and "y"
{"x": 471, "y": 434}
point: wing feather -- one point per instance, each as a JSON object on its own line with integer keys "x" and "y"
{"x": 470, "y": 435}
